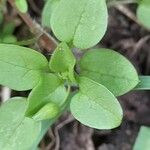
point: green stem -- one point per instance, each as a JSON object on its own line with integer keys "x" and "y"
{"x": 144, "y": 83}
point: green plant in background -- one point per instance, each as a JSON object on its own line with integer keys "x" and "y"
{"x": 143, "y": 139}
{"x": 143, "y": 13}
{"x": 22, "y": 5}
{"x": 6, "y": 35}
{"x": 6, "y": 30}
{"x": 103, "y": 75}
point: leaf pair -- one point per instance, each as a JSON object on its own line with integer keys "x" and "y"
{"x": 80, "y": 22}
{"x": 103, "y": 74}
{"x": 110, "y": 69}
{"x": 26, "y": 69}
{"x": 51, "y": 87}
{"x": 50, "y": 90}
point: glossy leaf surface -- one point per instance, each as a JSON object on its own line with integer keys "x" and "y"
{"x": 49, "y": 89}
{"x": 16, "y": 131}
{"x": 49, "y": 7}
{"x": 20, "y": 67}
{"x": 95, "y": 106}
{"x": 143, "y": 139}
{"x": 110, "y": 69}
{"x": 81, "y": 22}
{"x": 63, "y": 61}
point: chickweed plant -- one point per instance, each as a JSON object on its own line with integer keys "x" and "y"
{"x": 100, "y": 75}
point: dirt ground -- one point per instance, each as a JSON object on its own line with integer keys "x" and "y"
{"x": 127, "y": 37}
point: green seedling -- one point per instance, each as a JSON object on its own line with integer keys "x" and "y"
{"x": 143, "y": 139}
{"x": 6, "y": 35}
{"x": 22, "y": 5}
{"x": 143, "y": 13}
{"x": 103, "y": 75}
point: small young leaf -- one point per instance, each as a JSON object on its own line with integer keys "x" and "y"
{"x": 143, "y": 13}
{"x": 82, "y": 22}
{"x": 8, "y": 28}
{"x": 22, "y": 5}
{"x": 47, "y": 11}
{"x": 49, "y": 89}
{"x": 95, "y": 106}
{"x": 144, "y": 83}
{"x": 9, "y": 39}
{"x": 20, "y": 67}
{"x": 63, "y": 60}
{"x": 49, "y": 111}
{"x": 45, "y": 124}
{"x": 16, "y": 131}
{"x": 110, "y": 69}
{"x": 143, "y": 139}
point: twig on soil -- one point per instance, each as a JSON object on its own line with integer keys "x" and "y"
{"x": 52, "y": 143}
{"x": 128, "y": 13}
{"x": 34, "y": 7}
{"x": 139, "y": 44}
{"x": 124, "y": 10}
{"x": 46, "y": 41}
{"x": 58, "y": 127}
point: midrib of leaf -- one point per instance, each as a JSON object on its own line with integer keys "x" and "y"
{"x": 104, "y": 74}
{"x": 94, "y": 100}
{"x": 19, "y": 66}
{"x": 79, "y": 21}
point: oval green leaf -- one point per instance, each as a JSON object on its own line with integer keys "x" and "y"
{"x": 49, "y": 89}
{"x": 22, "y": 5}
{"x": 95, "y": 106}
{"x": 110, "y": 69}
{"x": 143, "y": 13}
{"x": 143, "y": 139}
{"x": 144, "y": 83}
{"x": 16, "y": 131}
{"x": 8, "y": 28}
{"x": 20, "y": 67}
{"x": 49, "y": 7}
{"x": 9, "y": 39}
{"x": 64, "y": 55}
{"x": 81, "y": 22}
